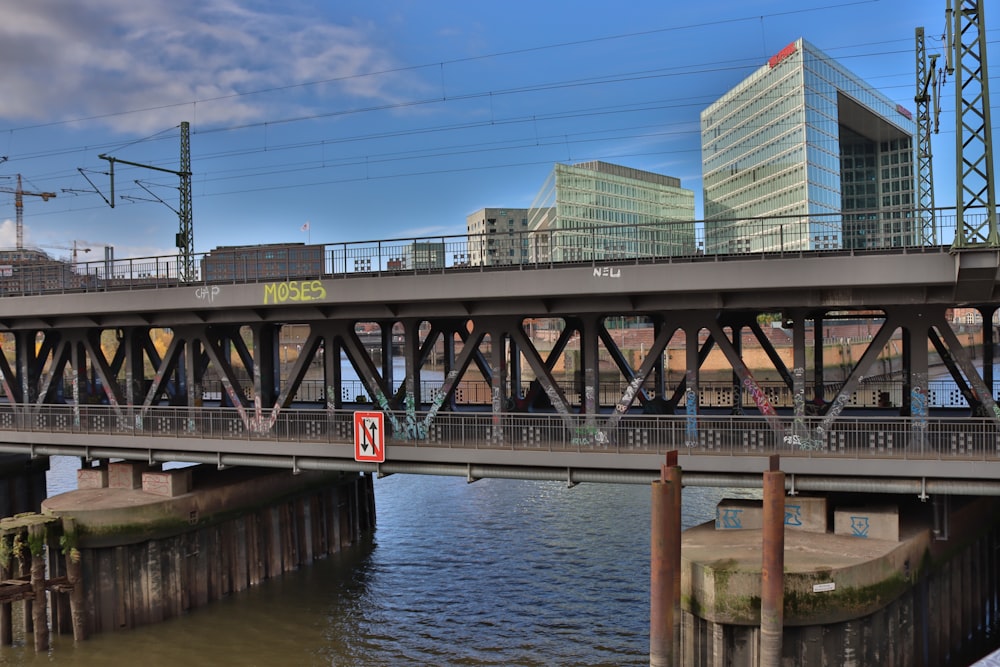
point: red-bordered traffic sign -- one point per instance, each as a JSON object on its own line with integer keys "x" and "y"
{"x": 369, "y": 436}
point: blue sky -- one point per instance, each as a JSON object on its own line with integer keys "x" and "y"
{"x": 386, "y": 119}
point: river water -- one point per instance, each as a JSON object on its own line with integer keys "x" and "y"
{"x": 498, "y": 572}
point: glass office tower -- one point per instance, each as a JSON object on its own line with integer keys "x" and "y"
{"x": 597, "y": 210}
{"x": 804, "y": 155}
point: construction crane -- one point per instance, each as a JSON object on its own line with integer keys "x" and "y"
{"x": 74, "y": 248}
{"x": 19, "y": 192}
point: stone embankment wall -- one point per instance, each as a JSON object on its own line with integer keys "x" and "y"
{"x": 153, "y": 563}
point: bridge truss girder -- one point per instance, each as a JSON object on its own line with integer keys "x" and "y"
{"x": 127, "y": 372}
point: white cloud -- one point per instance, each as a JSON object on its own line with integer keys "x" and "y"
{"x": 84, "y": 59}
{"x": 8, "y": 234}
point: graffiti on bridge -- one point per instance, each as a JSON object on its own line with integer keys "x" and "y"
{"x": 804, "y": 443}
{"x": 294, "y": 290}
{"x": 412, "y": 430}
{"x": 758, "y": 396}
{"x": 691, "y": 411}
{"x": 207, "y": 293}
{"x": 588, "y": 435}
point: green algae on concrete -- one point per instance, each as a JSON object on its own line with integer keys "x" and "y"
{"x": 828, "y": 578}
{"x": 114, "y": 517}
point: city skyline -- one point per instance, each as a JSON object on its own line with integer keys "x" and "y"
{"x": 361, "y": 122}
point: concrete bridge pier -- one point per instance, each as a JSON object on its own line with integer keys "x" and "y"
{"x": 878, "y": 590}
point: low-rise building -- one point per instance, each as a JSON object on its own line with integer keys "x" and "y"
{"x": 260, "y": 262}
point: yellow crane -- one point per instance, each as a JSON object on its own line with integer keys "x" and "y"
{"x": 19, "y": 193}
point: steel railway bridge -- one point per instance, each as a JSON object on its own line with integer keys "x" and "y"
{"x": 114, "y": 363}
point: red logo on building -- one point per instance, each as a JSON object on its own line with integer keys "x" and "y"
{"x": 781, "y": 55}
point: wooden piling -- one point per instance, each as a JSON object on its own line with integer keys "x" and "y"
{"x": 6, "y": 623}
{"x": 77, "y": 611}
{"x": 36, "y": 548}
{"x": 24, "y": 573}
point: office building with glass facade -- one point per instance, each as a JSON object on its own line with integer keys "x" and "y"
{"x": 804, "y": 155}
{"x": 597, "y": 211}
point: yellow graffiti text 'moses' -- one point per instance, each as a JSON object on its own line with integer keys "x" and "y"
{"x": 294, "y": 290}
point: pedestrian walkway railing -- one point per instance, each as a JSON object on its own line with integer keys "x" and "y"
{"x": 848, "y": 436}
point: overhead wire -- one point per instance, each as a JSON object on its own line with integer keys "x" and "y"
{"x": 552, "y": 86}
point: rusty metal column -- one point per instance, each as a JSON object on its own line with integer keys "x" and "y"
{"x": 665, "y": 566}
{"x": 772, "y": 571}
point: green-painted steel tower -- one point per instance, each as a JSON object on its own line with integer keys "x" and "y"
{"x": 976, "y": 224}
{"x": 925, "y": 171}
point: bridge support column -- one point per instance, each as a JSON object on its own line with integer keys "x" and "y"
{"x": 799, "y": 371}
{"x": 915, "y": 335}
{"x": 498, "y": 378}
{"x": 333, "y": 392}
{"x": 385, "y": 330}
{"x": 266, "y": 360}
{"x": 772, "y": 574}
{"x": 737, "y": 378}
{"x": 987, "y": 313}
{"x": 590, "y": 395}
{"x": 665, "y": 567}
{"x": 132, "y": 340}
{"x": 819, "y": 392}
{"x": 692, "y": 365}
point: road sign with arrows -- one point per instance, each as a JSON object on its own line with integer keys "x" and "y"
{"x": 369, "y": 436}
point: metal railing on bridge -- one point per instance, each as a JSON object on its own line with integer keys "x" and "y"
{"x": 34, "y": 272}
{"x": 268, "y": 432}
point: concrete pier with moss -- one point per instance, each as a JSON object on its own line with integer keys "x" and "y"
{"x": 154, "y": 544}
{"x": 882, "y": 583}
